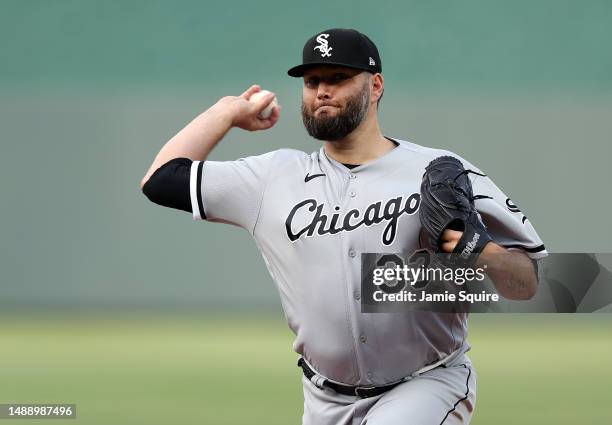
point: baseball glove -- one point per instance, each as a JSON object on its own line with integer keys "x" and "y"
{"x": 447, "y": 202}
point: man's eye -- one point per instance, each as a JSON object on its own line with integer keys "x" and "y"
{"x": 312, "y": 82}
{"x": 339, "y": 77}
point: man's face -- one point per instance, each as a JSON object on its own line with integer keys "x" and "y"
{"x": 335, "y": 100}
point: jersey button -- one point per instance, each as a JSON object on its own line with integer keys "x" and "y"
{"x": 352, "y": 193}
{"x": 363, "y": 338}
{"x": 352, "y": 253}
{"x": 357, "y": 295}
{"x": 352, "y": 176}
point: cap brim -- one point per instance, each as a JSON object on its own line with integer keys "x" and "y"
{"x": 298, "y": 71}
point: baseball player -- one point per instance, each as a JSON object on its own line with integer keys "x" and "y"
{"x": 312, "y": 215}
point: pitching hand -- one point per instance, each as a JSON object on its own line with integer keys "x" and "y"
{"x": 245, "y": 113}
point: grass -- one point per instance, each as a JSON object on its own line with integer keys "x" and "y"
{"x": 163, "y": 369}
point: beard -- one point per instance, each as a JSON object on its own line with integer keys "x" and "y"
{"x": 332, "y": 128}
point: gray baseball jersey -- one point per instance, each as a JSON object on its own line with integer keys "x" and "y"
{"x": 312, "y": 217}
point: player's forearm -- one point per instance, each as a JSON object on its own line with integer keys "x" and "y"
{"x": 196, "y": 140}
{"x": 512, "y": 272}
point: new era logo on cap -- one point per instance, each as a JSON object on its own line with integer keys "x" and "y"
{"x": 339, "y": 46}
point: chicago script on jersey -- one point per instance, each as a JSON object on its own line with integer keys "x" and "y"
{"x": 377, "y": 212}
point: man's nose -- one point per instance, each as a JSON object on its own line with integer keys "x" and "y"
{"x": 323, "y": 91}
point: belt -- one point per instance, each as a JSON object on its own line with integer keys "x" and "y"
{"x": 362, "y": 392}
{"x": 365, "y": 392}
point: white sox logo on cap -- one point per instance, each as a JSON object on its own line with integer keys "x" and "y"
{"x": 323, "y": 46}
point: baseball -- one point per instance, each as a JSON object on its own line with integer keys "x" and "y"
{"x": 268, "y": 110}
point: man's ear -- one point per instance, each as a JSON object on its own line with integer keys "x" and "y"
{"x": 378, "y": 86}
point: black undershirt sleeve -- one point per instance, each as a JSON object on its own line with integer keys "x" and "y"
{"x": 169, "y": 185}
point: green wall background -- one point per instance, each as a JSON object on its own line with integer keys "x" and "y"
{"x": 90, "y": 90}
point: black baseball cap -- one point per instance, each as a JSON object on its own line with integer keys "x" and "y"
{"x": 339, "y": 46}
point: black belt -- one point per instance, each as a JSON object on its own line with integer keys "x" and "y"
{"x": 363, "y": 392}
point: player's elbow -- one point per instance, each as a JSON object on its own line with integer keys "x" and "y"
{"x": 529, "y": 292}
{"x": 517, "y": 290}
